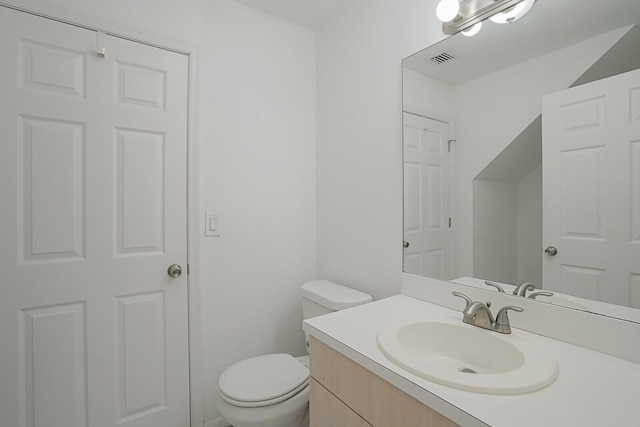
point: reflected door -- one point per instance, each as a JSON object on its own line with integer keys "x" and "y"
{"x": 93, "y": 188}
{"x": 426, "y": 197}
{"x": 591, "y": 187}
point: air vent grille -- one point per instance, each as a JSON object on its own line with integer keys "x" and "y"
{"x": 442, "y": 58}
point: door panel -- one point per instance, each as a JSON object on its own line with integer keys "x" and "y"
{"x": 142, "y": 386}
{"x": 51, "y": 175}
{"x": 93, "y": 183}
{"x": 140, "y": 192}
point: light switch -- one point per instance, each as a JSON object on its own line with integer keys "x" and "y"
{"x": 211, "y": 225}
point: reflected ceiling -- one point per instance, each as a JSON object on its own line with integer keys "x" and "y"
{"x": 552, "y": 29}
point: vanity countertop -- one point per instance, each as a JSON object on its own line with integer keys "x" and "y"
{"x": 592, "y": 389}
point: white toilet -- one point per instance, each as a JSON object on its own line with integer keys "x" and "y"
{"x": 272, "y": 390}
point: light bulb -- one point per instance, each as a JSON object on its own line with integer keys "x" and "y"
{"x": 513, "y": 13}
{"x": 447, "y": 10}
{"x": 470, "y": 32}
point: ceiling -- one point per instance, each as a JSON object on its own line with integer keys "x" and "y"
{"x": 308, "y": 13}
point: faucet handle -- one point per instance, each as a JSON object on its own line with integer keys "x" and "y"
{"x": 540, "y": 294}
{"x": 464, "y": 297}
{"x": 502, "y": 319}
{"x": 495, "y": 285}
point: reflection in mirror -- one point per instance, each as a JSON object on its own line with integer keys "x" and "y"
{"x": 522, "y": 157}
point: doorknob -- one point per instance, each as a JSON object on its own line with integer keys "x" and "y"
{"x": 405, "y": 244}
{"x": 174, "y": 271}
{"x": 551, "y": 251}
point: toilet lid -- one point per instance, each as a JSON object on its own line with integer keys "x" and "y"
{"x": 263, "y": 380}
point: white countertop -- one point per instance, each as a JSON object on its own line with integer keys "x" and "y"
{"x": 592, "y": 389}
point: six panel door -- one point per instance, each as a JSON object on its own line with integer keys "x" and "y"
{"x": 426, "y": 197}
{"x": 591, "y": 187}
{"x": 93, "y": 187}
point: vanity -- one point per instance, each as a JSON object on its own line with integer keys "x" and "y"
{"x": 354, "y": 384}
{"x": 346, "y": 394}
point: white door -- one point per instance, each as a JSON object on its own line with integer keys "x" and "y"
{"x": 591, "y": 187}
{"x": 93, "y": 331}
{"x": 426, "y": 197}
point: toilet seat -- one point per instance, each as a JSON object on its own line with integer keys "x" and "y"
{"x": 263, "y": 380}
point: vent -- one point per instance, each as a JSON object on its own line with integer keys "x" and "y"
{"x": 442, "y": 58}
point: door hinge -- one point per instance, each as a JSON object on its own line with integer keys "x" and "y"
{"x": 449, "y": 224}
{"x": 449, "y": 144}
{"x": 189, "y": 270}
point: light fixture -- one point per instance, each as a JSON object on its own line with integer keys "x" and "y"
{"x": 473, "y": 30}
{"x": 513, "y": 13}
{"x": 463, "y": 15}
{"x": 447, "y": 10}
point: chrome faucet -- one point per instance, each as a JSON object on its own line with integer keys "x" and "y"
{"x": 521, "y": 290}
{"x": 479, "y": 314}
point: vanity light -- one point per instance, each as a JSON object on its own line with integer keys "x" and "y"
{"x": 514, "y": 13}
{"x": 473, "y": 30}
{"x": 466, "y": 15}
{"x": 447, "y": 10}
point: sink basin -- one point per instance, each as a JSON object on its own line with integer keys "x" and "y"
{"x": 466, "y": 357}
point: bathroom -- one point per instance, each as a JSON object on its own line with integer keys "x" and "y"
{"x": 297, "y": 131}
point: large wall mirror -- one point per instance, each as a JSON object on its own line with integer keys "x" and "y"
{"x": 522, "y": 157}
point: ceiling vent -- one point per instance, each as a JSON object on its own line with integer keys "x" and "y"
{"x": 442, "y": 58}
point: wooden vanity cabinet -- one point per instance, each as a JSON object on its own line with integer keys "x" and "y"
{"x": 344, "y": 394}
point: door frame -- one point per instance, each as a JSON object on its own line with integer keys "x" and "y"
{"x": 196, "y": 390}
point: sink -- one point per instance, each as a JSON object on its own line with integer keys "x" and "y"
{"x": 466, "y": 357}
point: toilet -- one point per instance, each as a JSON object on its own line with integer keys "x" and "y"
{"x": 272, "y": 390}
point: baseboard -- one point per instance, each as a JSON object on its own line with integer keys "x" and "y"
{"x": 216, "y": 422}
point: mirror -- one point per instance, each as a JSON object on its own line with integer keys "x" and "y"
{"x": 521, "y": 154}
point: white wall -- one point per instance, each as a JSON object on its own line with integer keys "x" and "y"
{"x": 359, "y": 157}
{"x": 258, "y": 107}
{"x": 529, "y": 235}
{"x": 256, "y": 135}
{"x": 263, "y": 174}
{"x": 495, "y": 206}
{"x": 425, "y": 95}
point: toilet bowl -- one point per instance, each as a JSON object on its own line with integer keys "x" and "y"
{"x": 272, "y": 390}
{"x": 267, "y": 391}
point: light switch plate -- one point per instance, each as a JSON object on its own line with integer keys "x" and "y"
{"x": 211, "y": 224}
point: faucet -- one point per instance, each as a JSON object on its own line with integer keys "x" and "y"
{"x": 540, "y": 294}
{"x": 479, "y": 314}
{"x": 521, "y": 290}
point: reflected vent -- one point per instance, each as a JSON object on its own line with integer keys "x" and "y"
{"x": 442, "y": 58}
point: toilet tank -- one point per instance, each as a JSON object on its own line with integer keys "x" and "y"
{"x": 322, "y": 297}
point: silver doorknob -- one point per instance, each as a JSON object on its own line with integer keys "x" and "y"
{"x": 551, "y": 251}
{"x": 174, "y": 271}
{"x": 405, "y": 244}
